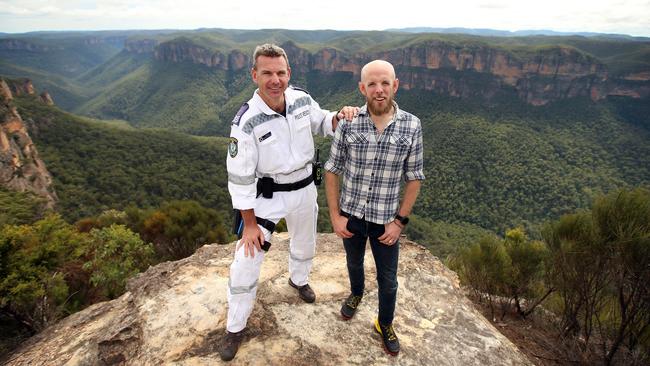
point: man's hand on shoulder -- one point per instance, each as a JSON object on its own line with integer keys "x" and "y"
{"x": 348, "y": 113}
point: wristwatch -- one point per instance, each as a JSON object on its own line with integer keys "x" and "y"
{"x": 403, "y": 219}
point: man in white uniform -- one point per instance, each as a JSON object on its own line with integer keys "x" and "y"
{"x": 270, "y": 177}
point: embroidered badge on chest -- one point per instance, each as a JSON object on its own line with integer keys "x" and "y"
{"x": 232, "y": 147}
{"x": 266, "y": 136}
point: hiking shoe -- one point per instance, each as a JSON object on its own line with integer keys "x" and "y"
{"x": 350, "y": 306}
{"x": 230, "y": 345}
{"x": 389, "y": 338}
{"x": 304, "y": 292}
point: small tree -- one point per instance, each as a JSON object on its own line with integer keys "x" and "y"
{"x": 623, "y": 224}
{"x": 116, "y": 253}
{"x": 579, "y": 272}
{"x": 483, "y": 266}
{"x": 525, "y": 278}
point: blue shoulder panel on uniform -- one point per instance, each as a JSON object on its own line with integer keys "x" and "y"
{"x": 242, "y": 110}
{"x": 300, "y": 89}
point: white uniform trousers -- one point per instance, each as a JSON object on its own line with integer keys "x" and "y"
{"x": 300, "y": 210}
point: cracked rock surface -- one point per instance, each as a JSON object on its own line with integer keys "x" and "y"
{"x": 175, "y": 313}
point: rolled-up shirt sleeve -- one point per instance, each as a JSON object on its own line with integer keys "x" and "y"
{"x": 414, "y": 163}
{"x": 241, "y": 163}
{"x": 338, "y": 151}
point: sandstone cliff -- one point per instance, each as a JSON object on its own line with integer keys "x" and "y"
{"x": 21, "y": 168}
{"x": 183, "y": 49}
{"x": 175, "y": 314}
{"x": 23, "y": 45}
{"x": 469, "y": 71}
{"x": 140, "y": 45}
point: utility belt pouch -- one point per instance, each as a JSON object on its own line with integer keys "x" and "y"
{"x": 265, "y": 187}
{"x": 266, "y": 246}
{"x": 317, "y": 170}
{"x": 237, "y": 223}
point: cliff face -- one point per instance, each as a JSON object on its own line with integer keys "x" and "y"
{"x": 18, "y": 44}
{"x": 474, "y": 71}
{"x": 179, "y": 51}
{"x": 21, "y": 168}
{"x": 140, "y": 45}
{"x": 175, "y": 314}
{"x": 547, "y": 75}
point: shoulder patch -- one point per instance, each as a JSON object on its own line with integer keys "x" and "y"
{"x": 242, "y": 110}
{"x": 299, "y": 89}
{"x": 232, "y": 147}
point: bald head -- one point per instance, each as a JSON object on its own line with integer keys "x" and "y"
{"x": 380, "y": 66}
{"x": 379, "y": 85}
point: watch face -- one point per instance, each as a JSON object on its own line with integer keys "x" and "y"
{"x": 402, "y": 219}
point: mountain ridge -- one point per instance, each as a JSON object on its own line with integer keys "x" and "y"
{"x": 537, "y": 75}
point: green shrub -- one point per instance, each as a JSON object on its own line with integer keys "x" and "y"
{"x": 116, "y": 253}
{"x": 33, "y": 283}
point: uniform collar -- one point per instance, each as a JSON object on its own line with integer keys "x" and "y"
{"x": 289, "y": 99}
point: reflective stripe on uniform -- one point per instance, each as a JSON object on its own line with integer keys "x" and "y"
{"x": 300, "y": 259}
{"x": 241, "y": 289}
{"x": 256, "y": 121}
{"x": 300, "y": 102}
{"x": 240, "y": 179}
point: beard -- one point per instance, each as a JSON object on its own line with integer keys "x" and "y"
{"x": 379, "y": 111}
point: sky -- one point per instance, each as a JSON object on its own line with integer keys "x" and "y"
{"x": 624, "y": 17}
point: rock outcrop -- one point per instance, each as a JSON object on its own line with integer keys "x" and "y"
{"x": 184, "y": 50}
{"x": 467, "y": 71}
{"x": 46, "y": 98}
{"x": 175, "y": 313}
{"x": 20, "y": 87}
{"x": 140, "y": 46}
{"x": 21, "y": 167}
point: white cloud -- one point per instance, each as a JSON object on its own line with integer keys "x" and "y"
{"x": 625, "y": 16}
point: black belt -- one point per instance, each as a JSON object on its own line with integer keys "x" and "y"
{"x": 267, "y": 224}
{"x": 345, "y": 214}
{"x": 266, "y": 186}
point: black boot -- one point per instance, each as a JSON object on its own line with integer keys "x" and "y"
{"x": 350, "y": 306}
{"x": 230, "y": 345}
{"x": 304, "y": 292}
{"x": 388, "y": 337}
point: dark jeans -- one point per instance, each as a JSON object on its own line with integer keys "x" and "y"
{"x": 386, "y": 258}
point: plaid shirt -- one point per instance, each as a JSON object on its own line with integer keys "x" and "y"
{"x": 372, "y": 165}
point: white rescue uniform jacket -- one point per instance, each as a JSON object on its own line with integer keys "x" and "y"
{"x": 263, "y": 143}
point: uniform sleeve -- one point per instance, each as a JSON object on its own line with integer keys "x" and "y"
{"x": 241, "y": 164}
{"x": 414, "y": 163}
{"x": 321, "y": 120}
{"x": 338, "y": 151}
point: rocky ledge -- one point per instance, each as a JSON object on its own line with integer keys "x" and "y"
{"x": 175, "y": 312}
